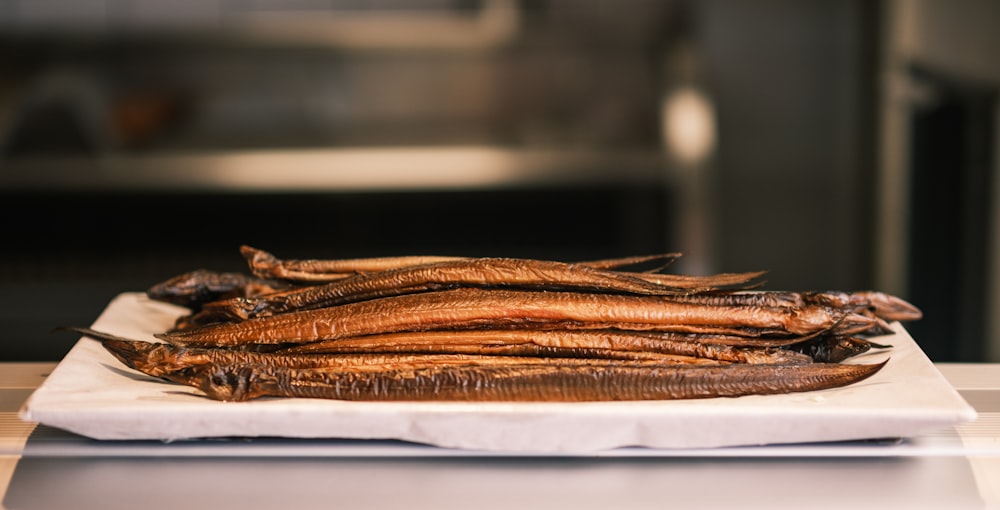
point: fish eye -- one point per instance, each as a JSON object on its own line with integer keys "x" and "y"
{"x": 219, "y": 379}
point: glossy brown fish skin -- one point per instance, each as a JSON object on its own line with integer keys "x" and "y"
{"x": 527, "y": 383}
{"x": 622, "y": 263}
{"x": 470, "y": 308}
{"x": 556, "y": 343}
{"x": 158, "y": 359}
{"x": 706, "y": 283}
{"x": 495, "y": 329}
{"x": 493, "y": 272}
{"x": 879, "y": 304}
{"x": 265, "y": 265}
{"x": 161, "y": 359}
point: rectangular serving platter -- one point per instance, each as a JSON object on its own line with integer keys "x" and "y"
{"x": 92, "y": 394}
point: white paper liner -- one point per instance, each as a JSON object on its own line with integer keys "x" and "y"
{"x": 92, "y": 394}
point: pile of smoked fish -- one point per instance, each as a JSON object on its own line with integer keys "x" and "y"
{"x": 502, "y": 329}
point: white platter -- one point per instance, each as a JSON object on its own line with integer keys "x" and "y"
{"x": 92, "y": 394}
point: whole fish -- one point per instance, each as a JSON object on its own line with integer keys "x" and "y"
{"x": 265, "y": 265}
{"x": 557, "y": 343}
{"x": 477, "y": 308}
{"x": 490, "y": 272}
{"x": 161, "y": 359}
{"x": 536, "y": 382}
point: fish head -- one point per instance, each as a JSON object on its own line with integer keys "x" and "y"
{"x": 231, "y": 383}
{"x": 889, "y": 307}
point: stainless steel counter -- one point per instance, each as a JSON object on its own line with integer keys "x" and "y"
{"x": 955, "y": 468}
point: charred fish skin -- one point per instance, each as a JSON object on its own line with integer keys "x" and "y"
{"x": 529, "y": 383}
{"x": 508, "y": 308}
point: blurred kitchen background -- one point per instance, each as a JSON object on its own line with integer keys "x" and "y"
{"x": 844, "y": 145}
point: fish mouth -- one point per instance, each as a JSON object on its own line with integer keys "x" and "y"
{"x": 128, "y": 352}
{"x": 893, "y": 308}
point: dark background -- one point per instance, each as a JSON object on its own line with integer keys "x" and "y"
{"x": 854, "y": 144}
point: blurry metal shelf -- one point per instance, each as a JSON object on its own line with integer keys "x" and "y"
{"x": 349, "y": 170}
{"x": 369, "y": 25}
